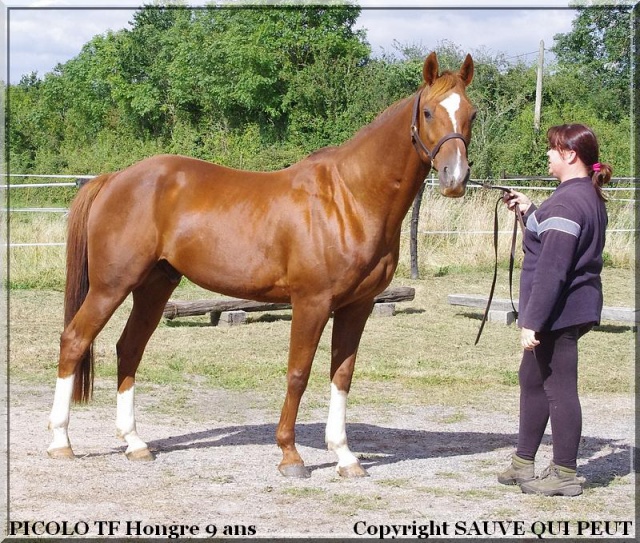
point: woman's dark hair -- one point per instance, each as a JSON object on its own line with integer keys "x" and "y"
{"x": 582, "y": 140}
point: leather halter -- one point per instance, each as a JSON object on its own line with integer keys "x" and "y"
{"x": 415, "y": 135}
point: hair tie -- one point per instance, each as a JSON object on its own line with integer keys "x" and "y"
{"x": 596, "y": 167}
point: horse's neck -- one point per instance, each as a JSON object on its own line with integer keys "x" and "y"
{"x": 381, "y": 167}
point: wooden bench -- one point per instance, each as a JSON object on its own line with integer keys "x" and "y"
{"x": 232, "y": 311}
{"x": 501, "y": 310}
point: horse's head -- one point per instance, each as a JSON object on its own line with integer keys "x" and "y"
{"x": 441, "y": 127}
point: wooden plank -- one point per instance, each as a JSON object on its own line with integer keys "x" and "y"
{"x": 177, "y": 308}
{"x": 619, "y": 314}
{"x": 396, "y": 294}
{"x": 471, "y": 300}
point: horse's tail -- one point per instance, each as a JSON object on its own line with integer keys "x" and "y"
{"x": 77, "y": 284}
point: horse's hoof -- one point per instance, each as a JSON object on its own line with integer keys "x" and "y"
{"x": 140, "y": 455}
{"x": 298, "y": 471}
{"x": 64, "y": 453}
{"x": 352, "y": 471}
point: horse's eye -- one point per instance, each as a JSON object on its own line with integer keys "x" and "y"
{"x": 428, "y": 114}
{"x": 473, "y": 115}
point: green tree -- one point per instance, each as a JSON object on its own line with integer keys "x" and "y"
{"x": 142, "y": 80}
{"x": 504, "y": 140}
{"x": 261, "y": 87}
{"x": 598, "y": 50}
{"x": 254, "y": 63}
{"x": 22, "y": 126}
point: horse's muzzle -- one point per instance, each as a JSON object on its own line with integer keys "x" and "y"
{"x": 453, "y": 187}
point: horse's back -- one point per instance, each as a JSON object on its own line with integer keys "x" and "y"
{"x": 215, "y": 225}
{"x": 177, "y": 169}
{"x": 258, "y": 235}
{"x": 173, "y": 183}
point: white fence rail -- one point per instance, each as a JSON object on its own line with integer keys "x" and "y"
{"x": 430, "y": 183}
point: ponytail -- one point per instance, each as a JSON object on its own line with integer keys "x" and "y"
{"x": 600, "y": 176}
{"x": 581, "y": 139}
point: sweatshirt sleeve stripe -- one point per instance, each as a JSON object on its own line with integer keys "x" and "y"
{"x": 554, "y": 223}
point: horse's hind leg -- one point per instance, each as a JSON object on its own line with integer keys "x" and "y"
{"x": 149, "y": 301}
{"x": 75, "y": 340}
{"x": 348, "y": 325}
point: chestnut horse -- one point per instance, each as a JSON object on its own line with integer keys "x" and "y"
{"x": 323, "y": 234}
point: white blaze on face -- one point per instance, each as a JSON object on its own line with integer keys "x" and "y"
{"x": 451, "y": 104}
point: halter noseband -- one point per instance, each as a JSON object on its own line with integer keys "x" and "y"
{"x": 415, "y": 136}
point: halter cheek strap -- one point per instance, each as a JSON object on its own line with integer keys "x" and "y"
{"x": 419, "y": 144}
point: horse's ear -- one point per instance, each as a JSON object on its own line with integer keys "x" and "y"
{"x": 430, "y": 69}
{"x": 466, "y": 71}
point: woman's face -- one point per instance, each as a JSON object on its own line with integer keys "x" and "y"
{"x": 558, "y": 162}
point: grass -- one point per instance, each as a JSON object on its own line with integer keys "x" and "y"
{"x": 453, "y": 418}
{"x": 305, "y": 492}
{"x": 423, "y": 355}
{"x": 357, "y": 502}
{"x": 402, "y": 482}
{"x": 469, "y": 248}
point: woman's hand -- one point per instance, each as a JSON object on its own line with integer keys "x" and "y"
{"x": 514, "y": 198}
{"x": 528, "y": 339}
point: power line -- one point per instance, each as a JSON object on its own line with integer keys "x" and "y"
{"x": 546, "y": 50}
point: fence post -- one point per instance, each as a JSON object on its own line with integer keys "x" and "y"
{"x": 538, "y": 103}
{"x": 413, "y": 242}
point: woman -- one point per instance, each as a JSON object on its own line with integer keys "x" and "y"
{"x": 560, "y": 300}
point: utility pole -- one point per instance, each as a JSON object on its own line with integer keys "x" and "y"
{"x": 538, "y": 107}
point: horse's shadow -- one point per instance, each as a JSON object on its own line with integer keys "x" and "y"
{"x": 379, "y": 446}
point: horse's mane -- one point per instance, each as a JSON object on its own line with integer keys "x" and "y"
{"x": 321, "y": 151}
{"x": 444, "y": 83}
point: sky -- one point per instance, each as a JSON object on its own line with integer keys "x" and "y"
{"x": 44, "y": 33}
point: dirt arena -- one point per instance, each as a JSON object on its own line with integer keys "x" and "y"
{"x": 432, "y": 472}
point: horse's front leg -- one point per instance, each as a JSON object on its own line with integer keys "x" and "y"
{"x": 309, "y": 319}
{"x": 348, "y": 325}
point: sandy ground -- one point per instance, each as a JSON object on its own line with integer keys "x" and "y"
{"x": 432, "y": 472}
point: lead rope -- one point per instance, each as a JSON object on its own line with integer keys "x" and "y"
{"x": 518, "y": 220}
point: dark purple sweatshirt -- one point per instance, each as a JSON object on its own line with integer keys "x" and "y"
{"x": 560, "y": 282}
